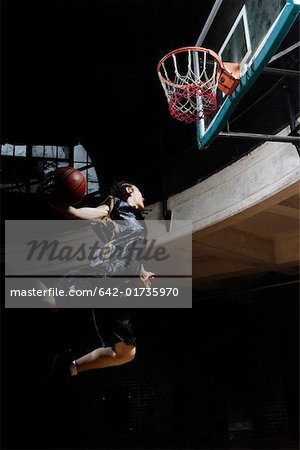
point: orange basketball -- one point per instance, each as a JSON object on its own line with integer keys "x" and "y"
{"x": 70, "y": 186}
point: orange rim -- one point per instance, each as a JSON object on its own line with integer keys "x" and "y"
{"x": 182, "y": 50}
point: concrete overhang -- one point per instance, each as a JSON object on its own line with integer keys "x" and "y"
{"x": 245, "y": 218}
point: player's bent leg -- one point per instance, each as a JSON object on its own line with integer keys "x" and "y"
{"x": 100, "y": 358}
{"x": 124, "y": 353}
{"x": 97, "y": 359}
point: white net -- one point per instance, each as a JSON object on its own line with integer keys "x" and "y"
{"x": 189, "y": 79}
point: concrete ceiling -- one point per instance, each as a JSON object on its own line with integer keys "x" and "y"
{"x": 266, "y": 241}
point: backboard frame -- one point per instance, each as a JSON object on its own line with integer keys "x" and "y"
{"x": 249, "y": 71}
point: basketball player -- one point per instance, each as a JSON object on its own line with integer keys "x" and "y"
{"x": 118, "y": 343}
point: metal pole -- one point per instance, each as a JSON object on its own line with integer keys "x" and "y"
{"x": 292, "y": 116}
{"x": 285, "y": 72}
{"x": 284, "y": 52}
{"x": 208, "y": 23}
{"x": 255, "y": 289}
{"x": 167, "y": 214}
{"x": 260, "y": 137}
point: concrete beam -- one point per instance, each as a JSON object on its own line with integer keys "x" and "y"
{"x": 239, "y": 245}
{"x": 259, "y": 180}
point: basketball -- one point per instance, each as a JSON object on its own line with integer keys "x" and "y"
{"x": 70, "y": 186}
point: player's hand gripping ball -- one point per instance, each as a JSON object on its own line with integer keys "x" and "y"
{"x": 65, "y": 186}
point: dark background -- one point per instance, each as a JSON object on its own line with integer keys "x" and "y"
{"x": 85, "y": 70}
{"x": 223, "y": 375}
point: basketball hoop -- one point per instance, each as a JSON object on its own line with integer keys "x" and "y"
{"x": 190, "y": 77}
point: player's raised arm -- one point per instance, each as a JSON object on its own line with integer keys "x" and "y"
{"x": 85, "y": 213}
{"x": 63, "y": 189}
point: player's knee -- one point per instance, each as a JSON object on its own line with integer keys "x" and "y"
{"x": 127, "y": 353}
{"x": 131, "y": 353}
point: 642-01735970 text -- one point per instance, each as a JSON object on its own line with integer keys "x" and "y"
{"x": 97, "y": 291}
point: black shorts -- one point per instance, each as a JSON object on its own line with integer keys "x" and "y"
{"x": 113, "y": 326}
{"x": 110, "y": 326}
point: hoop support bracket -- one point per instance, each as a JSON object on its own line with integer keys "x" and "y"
{"x": 229, "y": 77}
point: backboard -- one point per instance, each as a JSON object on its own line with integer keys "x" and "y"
{"x": 247, "y": 32}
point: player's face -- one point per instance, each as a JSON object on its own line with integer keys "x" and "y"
{"x": 137, "y": 197}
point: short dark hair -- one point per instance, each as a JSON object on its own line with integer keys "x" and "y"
{"x": 118, "y": 189}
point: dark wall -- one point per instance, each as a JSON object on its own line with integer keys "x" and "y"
{"x": 224, "y": 371}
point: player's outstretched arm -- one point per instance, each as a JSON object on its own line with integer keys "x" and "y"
{"x": 47, "y": 190}
{"x": 85, "y": 213}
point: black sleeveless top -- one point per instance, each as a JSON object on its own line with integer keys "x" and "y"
{"x": 112, "y": 325}
{"x": 126, "y": 239}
